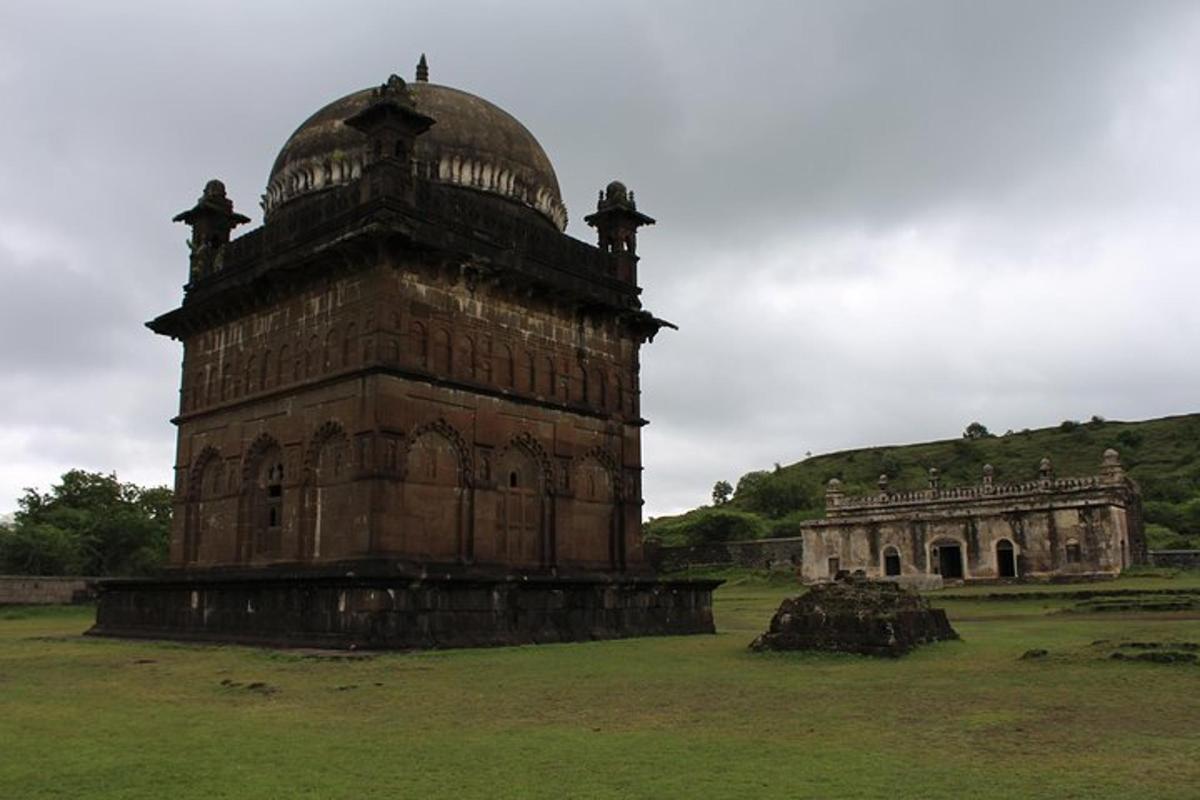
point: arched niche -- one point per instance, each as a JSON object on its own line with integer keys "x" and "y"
{"x": 592, "y": 536}
{"x": 328, "y": 496}
{"x": 202, "y": 522}
{"x": 522, "y": 486}
{"x": 433, "y": 494}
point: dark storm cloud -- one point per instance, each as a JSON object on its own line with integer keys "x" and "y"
{"x": 55, "y": 320}
{"x": 878, "y": 220}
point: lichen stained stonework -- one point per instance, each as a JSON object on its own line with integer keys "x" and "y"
{"x": 409, "y": 367}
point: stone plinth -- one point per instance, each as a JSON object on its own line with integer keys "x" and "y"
{"x": 377, "y": 610}
{"x": 871, "y": 618}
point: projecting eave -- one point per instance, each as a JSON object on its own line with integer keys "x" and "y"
{"x": 166, "y": 324}
{"x": 645, "y": 325}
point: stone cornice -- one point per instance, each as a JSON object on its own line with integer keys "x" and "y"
{"x": 984, "y": 498}
{"x": 337, "y": 230}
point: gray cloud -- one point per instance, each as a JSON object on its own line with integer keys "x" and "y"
{"x": 878, "y": 220}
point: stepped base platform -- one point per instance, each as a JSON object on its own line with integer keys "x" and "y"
{"x": 377, "y": 607}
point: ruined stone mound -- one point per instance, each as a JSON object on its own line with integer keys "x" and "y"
{"x": 877, "y": 619}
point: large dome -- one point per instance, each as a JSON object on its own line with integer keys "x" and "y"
{"x": 472, "y": 143}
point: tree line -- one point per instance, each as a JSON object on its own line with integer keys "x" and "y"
{"x": 88, "y": 523}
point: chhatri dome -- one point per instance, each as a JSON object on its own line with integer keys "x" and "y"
{"x": 472, "y": 143}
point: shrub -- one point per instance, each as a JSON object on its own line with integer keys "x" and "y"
{"x": 976, "y": 430}
{"x": 1164, "y": 514}
{"x": 722, "y": 526}
{"x": 890, "y": 465}
{"x": 1160, "y": 537}
{"x": 1129, "y": 439}
{"x": 791, "y": 526}
{"x": 1170, "y": 488}
{"x": 40, "y": 550}
{"x": 774, "y": 494}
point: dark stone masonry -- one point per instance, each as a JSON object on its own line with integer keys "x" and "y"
{"x": 378, "y": 609}
{"x": 856, "y": 616}
{"x": 409, "y": 368}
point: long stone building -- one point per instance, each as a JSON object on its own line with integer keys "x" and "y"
{"x": 1046, "y": 528}
{"x": 410, "y": 403}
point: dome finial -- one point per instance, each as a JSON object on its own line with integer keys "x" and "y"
{"x": 423, "y": 69}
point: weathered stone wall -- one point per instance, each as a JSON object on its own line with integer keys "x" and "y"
{"x": 1038, "y": 538}
{"x": 385, "y": 609}
{"x": 1043, "y": 528}
{"x": 1179, "y": 559}
{"x": 1051, "y": 528}
{"x": 45, "y": 590}
{"x": 782, "y": 554}
{"x": 439, "y": 421}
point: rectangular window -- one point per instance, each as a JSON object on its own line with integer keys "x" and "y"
{"x": 835, "y": 566}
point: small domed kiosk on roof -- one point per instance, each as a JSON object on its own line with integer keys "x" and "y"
{"x": 410, "y": 410}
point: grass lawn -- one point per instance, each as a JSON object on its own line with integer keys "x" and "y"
{"x": 671, "y": 717}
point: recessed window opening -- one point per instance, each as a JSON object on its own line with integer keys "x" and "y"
{"x": 512, "y": 479}
{"x": 891, "y": 561}
{"x": 1073, "y": 552}
{"x": 274, "y": 496}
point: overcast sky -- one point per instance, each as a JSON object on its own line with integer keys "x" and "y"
{"x": 878, "y": 221}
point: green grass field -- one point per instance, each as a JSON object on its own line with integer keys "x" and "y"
{"x": 670, "y": 717}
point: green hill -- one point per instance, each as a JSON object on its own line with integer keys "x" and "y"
{"x": 1162, "y": 455}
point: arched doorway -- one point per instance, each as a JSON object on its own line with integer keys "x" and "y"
{"x": 328, "y": 503}
{"x": 1006, "y": 559}
{"x": 891, "y": 561}
{"x": 946, "y": 558}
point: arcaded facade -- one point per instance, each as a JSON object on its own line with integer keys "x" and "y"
{"x": 1047, "y": 528}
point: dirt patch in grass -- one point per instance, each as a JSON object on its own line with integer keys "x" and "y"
{"x": 1153, "y": 652}
{"x": 258, "y": 687}
{"x": 1148, "y": 603}
{"x": 1080, "y": 594}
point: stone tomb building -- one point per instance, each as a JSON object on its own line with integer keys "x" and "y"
{"x": 409, "y": 413}
{"x": 1047, "y": 528}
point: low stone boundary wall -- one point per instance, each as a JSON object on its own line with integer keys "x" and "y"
{"x": 1180, "y": 559}
{"x": 782, "y": 554}
{"x": 40, "y": 590}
